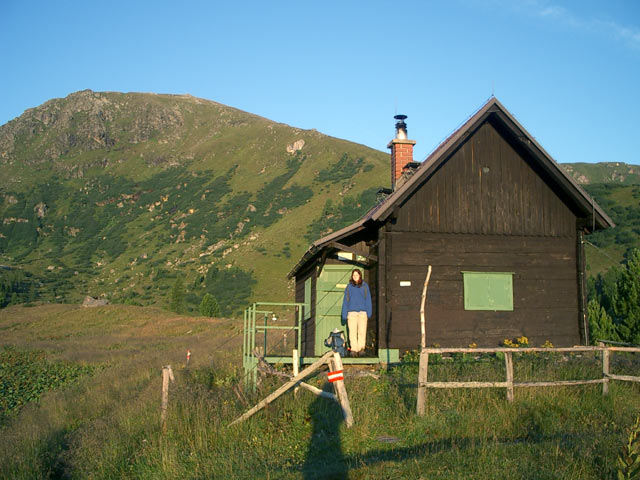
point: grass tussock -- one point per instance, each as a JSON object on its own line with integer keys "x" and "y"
{"x": 107, "y": 424}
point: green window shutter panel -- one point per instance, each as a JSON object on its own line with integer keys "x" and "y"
{"x": 488, "y": 291}
{"x": 307, "y": 298}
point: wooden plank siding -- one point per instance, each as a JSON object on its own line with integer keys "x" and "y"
{"x": 462, "y": 196}
{"x": 488, "y": 199}
{"x": 545, "y": 296}
{"x": 487, "y": 208}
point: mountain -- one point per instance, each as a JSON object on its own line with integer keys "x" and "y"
{"x": 140, "y": 197}
{"x": 603, "y": 172}
{"x": 615, "y": 186}
{"x": 118, "y": 195}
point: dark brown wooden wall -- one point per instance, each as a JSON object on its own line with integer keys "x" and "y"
{"x": 545, "y": 291}
{"x": 504, "y": 219}
{"x": 510, "y": 198}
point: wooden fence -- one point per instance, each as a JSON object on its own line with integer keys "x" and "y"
{"x": 509, "y": 382}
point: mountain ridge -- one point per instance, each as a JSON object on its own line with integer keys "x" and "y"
{"x": 169, "y": 180}
{"x": 120, "y": 194}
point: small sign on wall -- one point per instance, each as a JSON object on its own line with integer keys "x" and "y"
{"x": 405, "y": 283}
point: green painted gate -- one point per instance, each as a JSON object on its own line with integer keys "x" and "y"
{"x": 330, "y": 287}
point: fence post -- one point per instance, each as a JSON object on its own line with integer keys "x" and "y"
{"x": 421, "y": 406}
{"x": 424, "y": 356}
{"x": 335, "y": 364}
{"x": 167, "y": 374}
{"x": 605, "y": 368}
{"x": 508, "y": 361}
{"x": 296, "y": 368}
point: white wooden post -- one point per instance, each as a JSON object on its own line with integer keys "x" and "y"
{"x": 605, "y": 369}
{"x": 296, "y": 368}
{"x": 167, "y": 374}
{"x": 422, "y": 380}
{"x": 424, "y": 356}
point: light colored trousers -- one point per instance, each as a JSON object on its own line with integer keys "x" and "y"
{"x": 357, "y": 323}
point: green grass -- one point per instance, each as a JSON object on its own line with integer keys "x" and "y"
{"x": 107, "y": 425}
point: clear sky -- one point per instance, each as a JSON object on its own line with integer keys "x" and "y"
{"x": 568, "y": 71}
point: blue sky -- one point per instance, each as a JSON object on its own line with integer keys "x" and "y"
{"x": 568, "y": 71}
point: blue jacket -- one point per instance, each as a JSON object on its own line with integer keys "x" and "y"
{"x": 356, "y": 299}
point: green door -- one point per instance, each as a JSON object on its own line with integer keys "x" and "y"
{"x": 329, "y": 294}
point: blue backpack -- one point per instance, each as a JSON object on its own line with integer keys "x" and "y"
{"x": 337, "y": 342}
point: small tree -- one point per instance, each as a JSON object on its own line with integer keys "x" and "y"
{"x": 209, "y": 306}
{"x": 627, "y": 301}
{"x": 601, "y": 325}
{"x": 177, "y": 297}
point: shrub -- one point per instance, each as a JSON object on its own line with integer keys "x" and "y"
{"x": 209, "y": 306}
{"x": 176, "y": 303}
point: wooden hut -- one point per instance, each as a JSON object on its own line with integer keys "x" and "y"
{"x": 499, "y": 220}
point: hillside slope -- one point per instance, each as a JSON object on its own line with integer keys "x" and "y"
{"x": 120, "y": 194}
{"x": 125, "y": 195}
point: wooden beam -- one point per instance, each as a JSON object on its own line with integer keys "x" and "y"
{"x": 340, "y": 246}
{"x": 626, "y": 378}
{"x": 265, "y": 367}
{"x": 284, "y": 388}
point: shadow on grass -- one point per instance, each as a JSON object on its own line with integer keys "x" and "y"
{"x": 325, "y": 458}
{"x": 317, "y": 466}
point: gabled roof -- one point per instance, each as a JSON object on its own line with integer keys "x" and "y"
{"x": 496, "y": 111}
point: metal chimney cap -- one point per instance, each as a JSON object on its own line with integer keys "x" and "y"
{"x": 400, "y": 117}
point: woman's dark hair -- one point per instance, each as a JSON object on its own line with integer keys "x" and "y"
{"x": 352, "y": 281}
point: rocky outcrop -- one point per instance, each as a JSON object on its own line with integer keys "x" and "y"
{"x": 94, "y": 302}
{"x": 85, "y": 121}
{"x": 295, "y": 146}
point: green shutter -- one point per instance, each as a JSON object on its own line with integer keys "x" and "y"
{"x": 488, "y": 291}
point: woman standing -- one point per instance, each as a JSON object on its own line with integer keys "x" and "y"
{"x": 356, "y": 309}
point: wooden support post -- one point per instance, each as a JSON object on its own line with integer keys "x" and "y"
{"x": 263, "y": 366}
{"x": 421, "y": 403}
{"x": 508, "y": 361}
{"x": 167, "y": 374}
{"x": 422, "y": 380}
{"x": 296, "y": 368}
{"x": 423, "y": 322}
{"x": 605, "y": 369}
{"x": 335, "y": 364}
{"x": 291, "y": 383}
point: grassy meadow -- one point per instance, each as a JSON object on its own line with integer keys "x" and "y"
{"x": 101, "y": 419}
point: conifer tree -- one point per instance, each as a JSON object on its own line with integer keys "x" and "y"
{"x": 209, "y": 306}
{"x": 601, "y": 325}
{"x": 627, "y": 299}
{"x": 177, "y": 296}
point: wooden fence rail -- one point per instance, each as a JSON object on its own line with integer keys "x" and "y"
{"x": 510, "y": 384}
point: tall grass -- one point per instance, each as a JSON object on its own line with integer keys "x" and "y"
{"x": 108, "y": 426}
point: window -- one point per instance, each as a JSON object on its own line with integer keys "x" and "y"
{"x": 307, "y": 299}
{"x": 488, "y": 291}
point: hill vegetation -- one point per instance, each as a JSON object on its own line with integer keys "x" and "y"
{"x": 102, "y": 420}
{"x": 118, "y": 195}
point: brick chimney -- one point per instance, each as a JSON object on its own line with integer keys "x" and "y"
{"x": 401, "y": 150}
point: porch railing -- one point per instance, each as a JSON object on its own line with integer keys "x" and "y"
{"x": 265, "y": 311}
